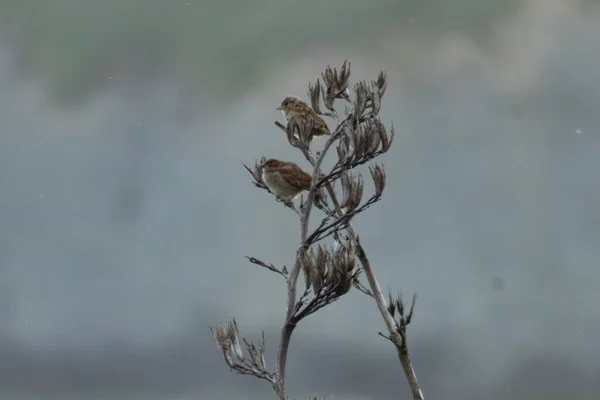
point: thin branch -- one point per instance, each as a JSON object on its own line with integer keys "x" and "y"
{"x": 361, "y": 288}
{"x": 283, "y": 272}
{"x": 399, "y": 339}
{"x": 319, "y": 301}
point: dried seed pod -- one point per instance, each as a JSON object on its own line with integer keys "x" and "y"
{"x": 375, "y": 142}
{"x": 263, "y": 360}
{"x": 386, "y": 142}
{"x": 344, "y": 78}
{"x": 320, "y": 270}
{"x": 345, "y": 264}
{"x": 357, "y": 193}
{"x": 227, "y": 337}
{"x": 361, "y": 141}
{"x": 330, "y": 277}
{"x": 235, "y": 340}
{"x": 321, "y": 261}
{"x": 378, "y": 175}
{"x": 347, "y": 186}
{"x": 343, "y": 287}
{"x": 314, "y": 92}
{"x": 375, "y": 99}
{"x": 353, "y": 190}
{"x": 329, "y": 80}
{"x": 361, "y": 96}
{"x": 369, "y": 137}
{"x": 348, "y": 140}
{"x": 341, "y": 150}
{"x": 307, "y": 266}
{"x": 381, "y": 83}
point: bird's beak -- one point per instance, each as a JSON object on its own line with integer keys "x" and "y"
{"x": 279, "y": 108}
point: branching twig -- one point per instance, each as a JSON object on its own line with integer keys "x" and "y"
{"x": 227, "y": 337}
{"x": 324, "y": 231}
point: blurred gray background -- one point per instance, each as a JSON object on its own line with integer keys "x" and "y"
{"x": 125, "y": 213}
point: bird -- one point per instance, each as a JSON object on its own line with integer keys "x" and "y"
{"x": 286, "y": 180}
{"x": 295, "y": 109}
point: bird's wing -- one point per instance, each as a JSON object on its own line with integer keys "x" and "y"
{"x": 296, "y": 176}
{"x": 320, "y": 125}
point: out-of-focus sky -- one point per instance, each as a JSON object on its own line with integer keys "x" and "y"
{"x": 125, "y": 213}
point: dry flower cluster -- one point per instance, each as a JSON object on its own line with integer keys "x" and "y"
{"x": 329, "y": 271}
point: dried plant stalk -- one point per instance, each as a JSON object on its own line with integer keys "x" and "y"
{"x": 330, "y": 273}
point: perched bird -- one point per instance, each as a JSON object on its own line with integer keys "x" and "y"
{"x": 294, "y": 108}
{"x": 286, "y": 180}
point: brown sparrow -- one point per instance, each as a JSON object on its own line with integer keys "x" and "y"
{"x": 287, "y": 180}
{"x": 294, "y": 108}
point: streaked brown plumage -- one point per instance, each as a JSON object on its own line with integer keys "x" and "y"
{"x": 285, "y": 179}
{"x": 294, "y": 108}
